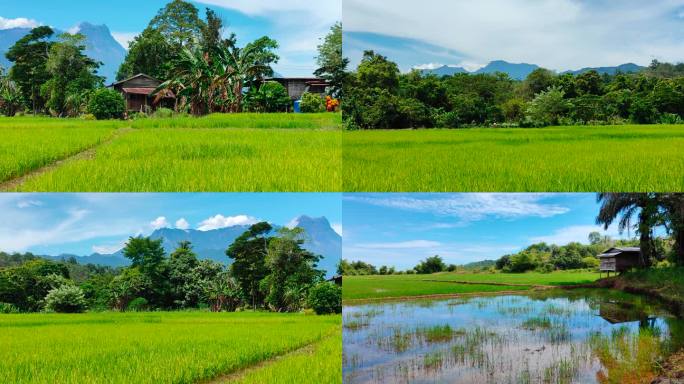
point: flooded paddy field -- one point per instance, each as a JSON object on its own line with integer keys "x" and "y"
{"x": 576, "y": 336}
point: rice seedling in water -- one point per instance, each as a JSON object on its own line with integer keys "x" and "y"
{"x": 437, "y": 334}
{"x": 433, "y": 360}
{"x": 535, "y": 323}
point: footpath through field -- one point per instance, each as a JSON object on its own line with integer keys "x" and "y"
{"x": 88, "y": 153}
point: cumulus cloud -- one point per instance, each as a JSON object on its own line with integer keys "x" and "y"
{"x": 124, "y": 38}
{"x": 159, "y": 223}
{"x": 220, "y": 221}
{"x": 20, "y": 22}
{"x": 23, "y": 204}
{"x": 574, "y": 234}
{"x": 182, "y": 224}
{"x": 337, "y": 227}
{"x": 468, "y": 207}
{"x": 557, "y": 34}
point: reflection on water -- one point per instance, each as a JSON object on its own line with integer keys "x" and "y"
{"x": 548, "y": 337}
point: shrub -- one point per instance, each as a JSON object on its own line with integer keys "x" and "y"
{"x": 270, "y": 97}
{"x": 139, "y": 304}
{"x": 591, "y": 262}
{"x": 107, "y": 104}
{"x": 6, "y": 308}
{"x": 88, "y": 117}
{"x": 325, "y": 298}
{"x": 163, "y": 113}
{"x": 312, "y": 103}
{"x": 66, "y": 299}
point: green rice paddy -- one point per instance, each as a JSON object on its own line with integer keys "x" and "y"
{"x": 568, "y": 159}
{"x": 187, "y": 347}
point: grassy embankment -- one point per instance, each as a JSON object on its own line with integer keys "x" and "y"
{"x": 572, "y": 159}
{"x": 187, "y": 347}
{"x": 224, "y": 153}
{"x": 398, "y": 286}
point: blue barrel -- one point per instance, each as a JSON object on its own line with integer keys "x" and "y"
{"x": 297, "y": 106}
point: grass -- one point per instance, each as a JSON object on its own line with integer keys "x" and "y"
{"x": 321, "y": 364}
{"x": 28, "y": 144}
{"x": 377, "y": 287}
{"x": 217, "y": 153}
{"x": 667, "y": 283}
{"x": 158, "y": 347}
{"x": 570, "y": 159}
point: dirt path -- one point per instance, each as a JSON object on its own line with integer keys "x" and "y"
{"x": 88, "y": 153}
{"x": 235, "y": 376}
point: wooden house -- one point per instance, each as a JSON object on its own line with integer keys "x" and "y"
{"x": 296, "y": 86}
{"x": 337, "y": 280}
{"x": 619, "y": 260}
{"x": 139, "y": 93}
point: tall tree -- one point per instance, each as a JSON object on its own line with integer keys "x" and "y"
{"x": 292, "y": 271}
{"x": 148, "y": 53}
{"x": 73, "y": 75}
{"x": 674, "y": 211}
{"x": 179, "y": 22}
{"x": 182, "y": 263}
{"x": 149, "y": 257}
{"x": 624, "y": 206}
{"x": 249, "y": 268}
{"x": 30, "y": 55}
{"x": 332, "y": 65}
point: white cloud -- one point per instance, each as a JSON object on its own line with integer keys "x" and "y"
{"x": 557, "y": 34}
{"x": 19, "y": 239}
{"x": 182, "y": 224}
{"x": 159, "y": 223}
{"x": 108, "y": 249}
{"x": 327, "y": 11}
{"x": 428, "y": 66}
{"x": 124, "y": 38}
{"x": 20, "y": 22}
{"x": 74, "y": 30}
{"x": 220, "y": 221}
{"x": 337, "y": 227}
{"x": 22, "y": 204}
{"x": 468, "y": 207}
{"x": 574, "y": 233}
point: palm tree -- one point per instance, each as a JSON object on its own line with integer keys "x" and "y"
{"x": 191, "y": 79}
{"x": 243, "y": 66}
{"x": 626, "y": 206}
{"x": 673, "y": 204}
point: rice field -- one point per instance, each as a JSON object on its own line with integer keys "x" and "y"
{"x": 378, "y": 287}
{"x": 569, "y": 159}
{"x": 186, "y": 347}
{"x": 217, "y": 153}
{"x": 577, "y": 336}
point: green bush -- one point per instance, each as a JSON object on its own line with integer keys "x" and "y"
{"x": 325, "y": 298}
{"x": 88, "y": 117}
{"x": 163, "y": 113}
{"x": 591, "y": 262}
{"x": 107, "y": 104}
{"x": 270, "y": 97}
{"x": 66, "y": 299}
{"x": 6, "y": 308}
{"x": 138, "y": 305}
{"x": 312, "y": 103}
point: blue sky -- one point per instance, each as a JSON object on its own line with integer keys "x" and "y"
{"x": 556, "y": 34}
{"x": 82, "y": 224}
{"x": 298, "y": 25}
{"x": 401, "y": 229}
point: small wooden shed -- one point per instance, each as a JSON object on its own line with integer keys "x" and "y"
{"x": 139, "y": 93}
{"x": 296, "y": 86}
{"x": 337, "y": 280}
{"x": 619, "y": 260}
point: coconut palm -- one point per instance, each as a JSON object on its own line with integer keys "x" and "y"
{"x": 10, "y": 97}
{"x": 627, "y": 205}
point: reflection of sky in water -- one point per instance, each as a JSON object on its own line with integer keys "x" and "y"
{"x": 370, "y": 358}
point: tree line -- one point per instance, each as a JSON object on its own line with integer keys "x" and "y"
{"x": 268, "y": 272}
{"x": 204, "y": 70}
{"x": 379, "y": 96}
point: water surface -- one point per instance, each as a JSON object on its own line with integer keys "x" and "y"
{"x": 548, "y": 337}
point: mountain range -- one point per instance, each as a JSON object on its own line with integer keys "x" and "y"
{"x": 521, "y": 71}
{"x": 100, "y": 46}
{"x": 321, "y": 239}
